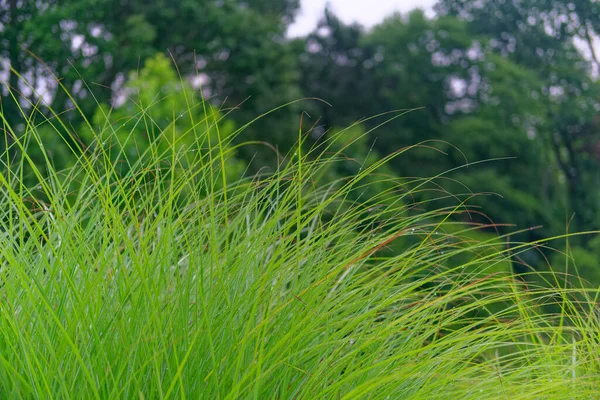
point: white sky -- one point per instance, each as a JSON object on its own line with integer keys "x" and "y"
{"x": 366, "y": 12}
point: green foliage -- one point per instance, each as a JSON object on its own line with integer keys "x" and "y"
{"x": 488, "y": 85}
{"x": 547, "y": 38}
{"x": 522, "y": 164}
{"x": 91, "y": 46}
{"x": 354, "y": 154}
{"x": 150, "y": 121}
{"x": 165, "y": 280}
{"x": 579, "y": 265}
{"x": 503, "y": 92}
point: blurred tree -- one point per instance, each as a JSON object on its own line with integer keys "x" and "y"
{"x": 238, "y": 48}
{"x": 416, "y": 62}
{"x": 481, "y": 103}
{"x": 161, "y": 114}
{"x": 555, "y": 41}
{"x": 331, "y": 68}
{"x": 505, "y": 123}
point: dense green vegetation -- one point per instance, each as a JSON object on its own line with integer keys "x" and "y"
{"x": 158, "y": 274}
{"x": 509, "y": 82}
{"x": 195, "y": 205}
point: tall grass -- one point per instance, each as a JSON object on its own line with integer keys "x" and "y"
{"x": 170, "y": 279}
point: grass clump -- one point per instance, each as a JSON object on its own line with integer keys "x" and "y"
{"x": 169, "y": 279}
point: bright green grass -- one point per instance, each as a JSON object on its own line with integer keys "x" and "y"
{"x": 170, "y": 280}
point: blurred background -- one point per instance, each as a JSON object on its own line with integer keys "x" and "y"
{"x": 507, "y": 88}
